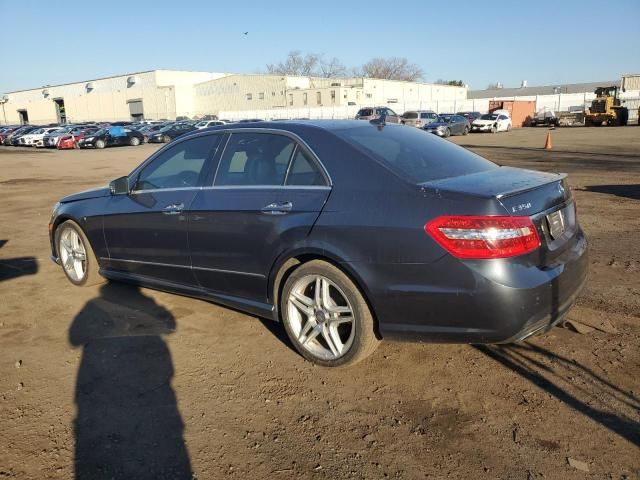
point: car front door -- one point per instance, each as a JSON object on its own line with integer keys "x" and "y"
{"x": 146, "y": 230}
{"x": 392, "y": 117}
{"x": 503, "y": 122}
{"x": 257, "y": 204}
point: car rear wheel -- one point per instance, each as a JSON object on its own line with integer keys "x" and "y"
{"x": 326, "y": 317}
{"x": 100, "y": 144}
{"x": 76, "y": 255}
{"x": 134, "y": 141}
{"x": 465, "y": 131}
{"x": 508, "y": 128}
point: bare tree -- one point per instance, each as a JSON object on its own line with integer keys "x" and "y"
{"x": 308, "y": 65}
{"x": 392, "y": 68}
{"x": 296, "y": 64}
{"x": 332, "y": 68}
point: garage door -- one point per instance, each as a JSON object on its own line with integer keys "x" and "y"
{"x": 135, "y": 108}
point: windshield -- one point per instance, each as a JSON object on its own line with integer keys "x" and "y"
{"x": 166, "y": 129}
{"x": 365, "y": 112}
{"x": 414, "y": 155}
{"x": 489, "y": 116}
{"x": 102, "y": 131}
{"x": 444, "y": 118}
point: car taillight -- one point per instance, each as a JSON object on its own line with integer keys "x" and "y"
{"x": 484, "y": 236}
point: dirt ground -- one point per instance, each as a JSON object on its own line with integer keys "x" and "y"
{"x": 116, "y": 379}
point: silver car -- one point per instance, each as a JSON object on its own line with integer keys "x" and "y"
{"x": 419, "y": 118}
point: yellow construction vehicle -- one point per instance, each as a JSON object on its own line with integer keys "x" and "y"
{"x": 606, "y": 109}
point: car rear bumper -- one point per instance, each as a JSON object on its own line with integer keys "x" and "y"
{"x": 480, "y": 301}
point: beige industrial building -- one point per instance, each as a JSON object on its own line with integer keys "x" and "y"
{"x": 153, "y": 94}
{"x": 167, "y": 94}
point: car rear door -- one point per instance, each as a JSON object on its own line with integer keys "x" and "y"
{"x": 146, "y": 230}
{"x": 258, "y": 205}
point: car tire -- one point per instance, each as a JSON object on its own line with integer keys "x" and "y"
{"x": 76, "y": 256}
{"x": 333, "y": 328}
{"x": 100, "y": 144}
{"x": 134, "y": 141}
{"x": 465, "y": 131}
{"x": 508, "y": 128}
{"x": 166, "y": 139}
{"x": 494, "y": 129}
{"x": 447, "y": 133}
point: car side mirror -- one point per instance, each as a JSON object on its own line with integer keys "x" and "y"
{"x": 119, "y": 186}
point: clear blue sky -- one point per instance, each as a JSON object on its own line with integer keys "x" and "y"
{"x": 544, "y": 42}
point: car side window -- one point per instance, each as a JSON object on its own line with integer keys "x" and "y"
{"x": 502, "y": 117}
{"x": 391, "y": 112}
{"x": 304, "y": 170}
{"x": 179, "y": 166}
{"x": 255, "y": 159}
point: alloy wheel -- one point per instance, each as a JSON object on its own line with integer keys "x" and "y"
{"x": 321, "y": 317}
{"x": 73, "y": 254}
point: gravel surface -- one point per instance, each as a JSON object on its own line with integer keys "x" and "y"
{"x": 120, "y": 382}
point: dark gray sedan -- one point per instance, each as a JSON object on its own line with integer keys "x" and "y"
{"x": 446, "y": 125}
{"x": 347, "y": 232}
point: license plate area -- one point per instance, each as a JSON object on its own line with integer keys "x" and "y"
{"x": 556, "y": 224}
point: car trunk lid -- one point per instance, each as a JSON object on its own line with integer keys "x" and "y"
{"x": 544, "y": 197}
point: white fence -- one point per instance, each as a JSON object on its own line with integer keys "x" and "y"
{"x": 555, "y": 102}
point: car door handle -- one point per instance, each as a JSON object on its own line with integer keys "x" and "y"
{"x": 275, "y": 208}
{"x": 173, "y": 209}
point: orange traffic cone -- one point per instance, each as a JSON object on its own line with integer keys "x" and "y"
{"x": 548, "y": 145}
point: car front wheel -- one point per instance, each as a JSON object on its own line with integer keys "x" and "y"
{"x": 134, "y": 141}
{"x": 100, "y": 144}
{"x": 76, "y": 255}
{"x": 326, "y": 317}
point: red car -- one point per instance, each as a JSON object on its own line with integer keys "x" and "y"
{"x": 71, "y": 140}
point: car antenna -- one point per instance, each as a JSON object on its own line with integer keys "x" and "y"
{"x": 381, "y": 121}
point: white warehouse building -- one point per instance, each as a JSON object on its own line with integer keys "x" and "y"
{"x": 153, "y": 94}
{"x": 168, "y": 94}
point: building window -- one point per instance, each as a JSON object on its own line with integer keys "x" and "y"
{"x": 273, "y": 94}
{"x": 291, "y": 99}
{"x": 304, "y": 98}
{"x": 249, "y": 96}
{"x": 368, "y": 95}
{"x": 333, "y": 96}
{"x": 319, "y": 98}
{"x": 261, "y": 96}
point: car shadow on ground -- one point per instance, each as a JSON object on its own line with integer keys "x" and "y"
{"x": 127, "y": 424}
{"x": 627, "y": 191}
{"x": 16, "y": 267}
{"x": 573, "y": 384}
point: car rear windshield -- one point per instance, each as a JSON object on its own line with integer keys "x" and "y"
{"x": 414, "y": 154}
{"x": 410, "y": 115}
{"x": 365, "y": 112}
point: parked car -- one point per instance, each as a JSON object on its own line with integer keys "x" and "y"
{"x": 34, "y": 138}
{"x": 168, "y": 133}
{"x": 418, "y": 118}
{"x": 209, "y": 123}
{"x": 547, "y": 118}
{"x": 5, "y": 132}
{"x": 470, "y": 116}
{"x": 373, "y": 113}
{"x": 492, "y": 122}
{"x": 73, "y": 138}
{"x": 148, "y": 130}
{"x": 448, "y": 124}
{"x": 50, "y": 140}
{"x": 437, "y": 245}
{"x": 15, "y": 138}
{"x": 112, "y": 137}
